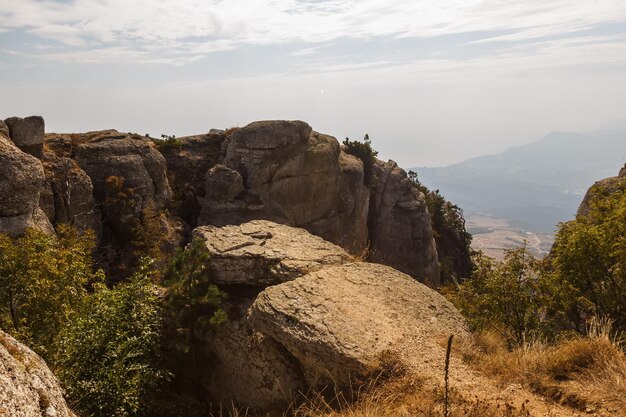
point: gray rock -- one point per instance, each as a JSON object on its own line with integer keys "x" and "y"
{"x": 340, "y": 320}
{"x": 296, "y": 177}
{"x": 27, "y": 386}
{"x": 4, "y": 130}
{"x": 27, "y": 133}
{"x": 262, "y": 253}
{"x": 223, "y": 184}
{"x": 400, "y": 230}
{"x": 21, "y": 181}
{"x": 248, "y": 368}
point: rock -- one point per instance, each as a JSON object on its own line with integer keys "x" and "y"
{"x": 401, "y": 234}
{"x": 4, "y": 130}
{"x": 130, "y": 157}
{"x": 27, "y": 386}
{"x": 187, "y": 167}
{"x": 339, "y": 321}
{"x": 27, "y": 134}
{"x": 248, "y": 368}
{"x": 21, "y": 181}
{"x": 223, "y": 184}
{"x": 262, "y": 253}
{"x": 622, "y": 172}
{"x": 68, "y": 196}
{"x": 292, "y": 176}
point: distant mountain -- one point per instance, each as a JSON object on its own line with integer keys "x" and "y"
{"x": 536, "y": 185}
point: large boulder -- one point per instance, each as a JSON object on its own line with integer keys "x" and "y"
{"x": 303, "y": 315}
{"x": 340, "y": 321}
{"x": 27, "y": 386}
{"x": 290, "y": 175}
{"x": 4, "y": 130}
{"x": 27, "y": 133}
{"x": 21, "y": 181}
{"x": 262, "y": 253}
{"x": 401, "y": 233}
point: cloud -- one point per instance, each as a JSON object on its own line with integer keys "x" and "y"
{"x": 180, "y": 31}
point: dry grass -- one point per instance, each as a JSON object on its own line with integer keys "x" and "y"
{"x": 575, "y": 372}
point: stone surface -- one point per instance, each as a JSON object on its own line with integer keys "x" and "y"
{"x": 27, "y": 386}
{"x": 4, "y": 130}
{"x": 294, "y": 176}
{"x": 27, "y": 133}
{"x": 262, "y": 253}
{"x": 21, "y": 180}
{"x": 223, "y": 184}
{"x": 68, "y": 195}
{"x": 248, "y": 368}
{"x": 338, "y": 321}
{"x": 400, "y": 231}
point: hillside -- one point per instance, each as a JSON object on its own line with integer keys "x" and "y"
{"x": 533, "y": 186}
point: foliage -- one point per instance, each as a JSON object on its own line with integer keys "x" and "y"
{"x": 167, "y": 142}
{"x": 589, "y": 259}
{"x": 107, "y": 355}
{"x": 365, "y": 152}
{"x": 504, "y": 295}
{"x": 192, "y": 299}
{"x": 43, "y": 279}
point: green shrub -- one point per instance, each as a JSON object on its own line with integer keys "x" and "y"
{"x": 365, "y": 152}
{"x": 107, "y": 355}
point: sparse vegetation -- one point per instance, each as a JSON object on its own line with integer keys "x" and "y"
{"x": 365, "y": 152}
{"x": 167, "y": 142}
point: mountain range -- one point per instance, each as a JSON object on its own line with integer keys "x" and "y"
{"x": 533, "y": 186}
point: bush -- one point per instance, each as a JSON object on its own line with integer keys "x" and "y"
{"x": 43, "y": 279}
{"x": 107, "y": 355}
{"x": 365, "y": 152}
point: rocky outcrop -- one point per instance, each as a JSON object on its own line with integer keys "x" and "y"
{"x": 21, "y": 181}
{"x": 27, "y": 387}
{"x": 315, "y": 318}
{"x": 600, "y": 189}
{"x": 67, "y": 197}
{"x": 262, "y": 253}
{"x": 401, "y": 234}
{"x": 27, "y": 133}
{"x": 290, "y": 175}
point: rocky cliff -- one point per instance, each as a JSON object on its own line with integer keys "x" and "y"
{"x": 121, "y": 185}
{"x": 602, "y": 188}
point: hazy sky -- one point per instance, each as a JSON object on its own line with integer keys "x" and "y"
{"x": 432, "y": 82}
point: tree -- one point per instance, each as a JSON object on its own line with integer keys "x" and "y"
{"x": 365, "y": 152}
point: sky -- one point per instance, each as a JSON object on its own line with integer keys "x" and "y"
{"x": 431, "y": 82}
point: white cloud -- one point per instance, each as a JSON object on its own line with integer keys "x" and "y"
{"x": 164, "y": 30}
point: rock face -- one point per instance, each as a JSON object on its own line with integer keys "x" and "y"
{"x": 68, "y": 195}
{"x": 601, "y": 188}
{"x": 27, "y": 134}
{"x": 262, "y": 253}
{"x": 401, "y": 234}
{"x": 27, "y": 387}
{"x": 284, "y": 172}
{"x": 327, "y": 321}
{"x": 21, "y": 181}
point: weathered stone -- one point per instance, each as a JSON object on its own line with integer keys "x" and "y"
{"x": 21, "y": 181}
{"x": 223, "y": 184}
{"x": 68, "y": 196}
{"x": 248, "y": 368}
{"x": 622, "y": 172}
{"x": 340, "y": 320}
{"x": 27, "y": 134}
{"x": 297, "y": 177}
{"x": 27, "y": 386}
{"x": 401, "y": 234}
{"x": 262, "y": 253}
